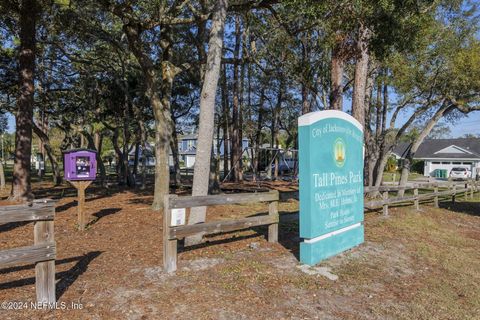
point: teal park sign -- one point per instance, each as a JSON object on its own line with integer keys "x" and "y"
{"x": 331, "y": 184}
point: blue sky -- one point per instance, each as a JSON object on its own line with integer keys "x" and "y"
{"x": 468, "y": 124}
{"x": 11, "y": 123}
{"x": 471, "y": 124}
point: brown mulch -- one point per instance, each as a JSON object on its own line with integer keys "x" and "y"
{"x": 113, "y": 270}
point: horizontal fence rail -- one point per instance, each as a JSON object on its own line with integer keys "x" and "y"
{"x": 37, "y": 212}
{"x": 220, "y": 226}
{"x": 453, "y": 189}
{"x": 27, "y": 255}
{"x": 221, "y": 199}
{"x": 42, "y": 253}
{"x": 172, "y": 233}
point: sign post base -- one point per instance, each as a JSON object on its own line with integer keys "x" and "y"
{"x": 81, "y": 185}
{"x": 312, "y": 251}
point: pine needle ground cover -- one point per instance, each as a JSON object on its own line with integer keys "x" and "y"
{"x": 413, "y": 265}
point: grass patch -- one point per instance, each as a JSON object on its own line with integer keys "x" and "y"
{"x": 395, "y": 176}
{"x": 446, "y": 279}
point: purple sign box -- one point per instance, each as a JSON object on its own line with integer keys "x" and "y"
{"x": 80, "y": 164}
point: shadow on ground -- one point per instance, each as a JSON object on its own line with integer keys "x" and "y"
{"x": 208, "y": 242}
{"x": 467, "y": 207}
{"x": 12, "y": 225}
{"x": 71, "y": 204}
{"x": 64, "y": 279}
{"x": 103, "y": 213}
{"x": 288, "y": 235}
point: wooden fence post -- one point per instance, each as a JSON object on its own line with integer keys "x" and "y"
{"x": 169, "y": 245}
{"x": 273, "y": 228}
{"x": 435, "y": 199}
{"x": 416, "y": 201}
{"x": 45, "y": 270}
{"x": 385, "y": 205}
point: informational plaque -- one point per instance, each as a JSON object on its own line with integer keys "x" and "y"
{"x": 331, "y": 184}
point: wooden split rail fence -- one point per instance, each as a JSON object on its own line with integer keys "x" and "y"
{"x": 439, "y": 190}
{"x": 172, "y": 233}
{"x": 449, "y": 189}
{"x": 42, "y": 253}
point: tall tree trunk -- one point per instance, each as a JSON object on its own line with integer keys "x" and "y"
{"x": 258, "y": 135}
{"x": 95, "y": 142}
{"x": 370, "y": 160}
{"x": 207, "y": 114}
{"x": 136, "y": 159}
{"x": 306, "y": 106}
{"x": 381, "y": 136}
{"x": 21, "y": 185}
{"x": 444, "y": 109}
{"x": 41, "y": 149}
{"x": 2, "y": 176}
{"x": 305, "y": 40}
{"x": 126, "y": 167}
{"x": 242, "y": 110}
{"x": 218, "y": 154}
{"x": 370, "y": 145}
{"x": 143, "y": 140}
{"x": 236, "y": 139}
{"x": 225, "y": 123}
{"x": 361, "y": 71}
{"x": 97, "y": 137}
{"x": 176, "y": 158}
{"x": 121, "y": 170}
{"x": 161, "y": 111}
{"x": 240, "y": 121}
{"x": 100, "y": 164}
{"x": 213, "y": 180}
{"x": 57, "y": 177}
{"x": 163, "y": 130}
{"x": 144, "y": 168}
{"x": 276, "y": 128}
{"x": 380, "y": 167}
{"x": 128, "y": 178}
{"x": 337, "y": 67}
{"x": 387, "y": 145}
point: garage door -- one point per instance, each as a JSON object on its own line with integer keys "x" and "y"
{"x": 448, "y": 165}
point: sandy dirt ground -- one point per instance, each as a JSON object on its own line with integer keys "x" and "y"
{"x": 413, "y": 265}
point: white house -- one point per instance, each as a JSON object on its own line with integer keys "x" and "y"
{"x": 445, "y": 154}
{"x": 187, "y": 148}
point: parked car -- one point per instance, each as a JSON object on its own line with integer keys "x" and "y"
{"x": 460, "y": 173}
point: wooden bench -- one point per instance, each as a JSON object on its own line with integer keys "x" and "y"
{"x": 171, "y": 234}
{"x": 42, "y": 253}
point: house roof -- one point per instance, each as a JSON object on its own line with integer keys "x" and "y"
{"x": 466, "y": 148}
